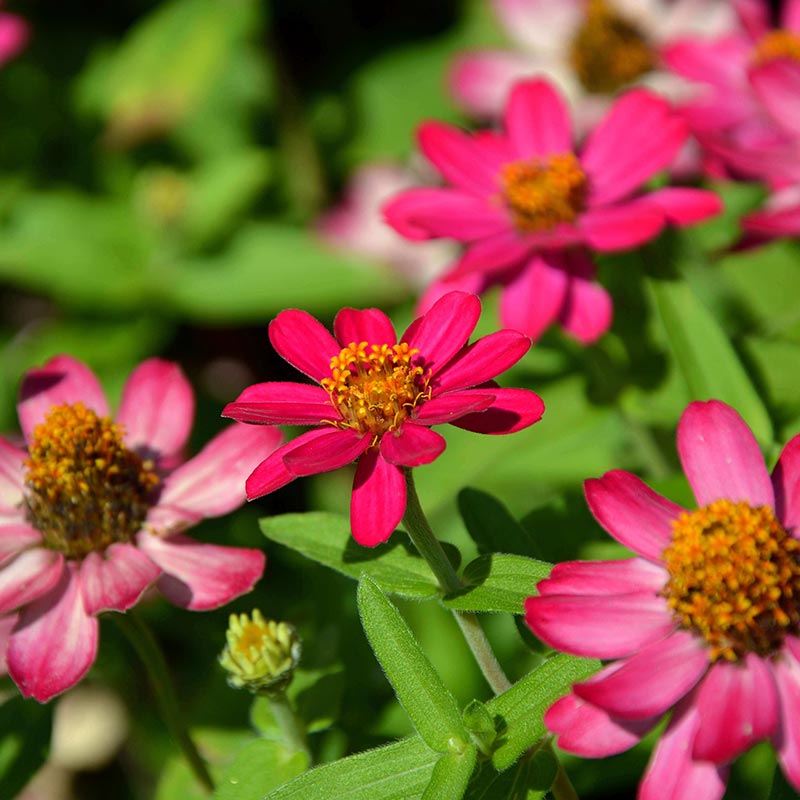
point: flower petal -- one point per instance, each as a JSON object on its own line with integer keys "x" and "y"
{"x": 632, "y": 512}
{"x": 492, "y": 255}
{"x": 16, "y": 537}
{"x": 282, "y": 403}
{"x": 62, "y": 380}
{"x": 7, "y": 623}
{"x": 537, "y": 120}
{"x": 604, "y": 577}
{"x": 11, "y": 477}
{"x": 512, "y": 410}
{"x": 787, "y": 738}
{"x": 304, "y": 342}
{"x": 54, "y": 642}
{"x": 272, "y": 472}
{"x": 777, "y": 85}
{"x": 721, "y": 457}
{"x": 115, "y": 579}
{"x": 587, "y": 309}
{"x": 448, "y": 407}
{"x": 363, "y": 325}
{"x": 682, "y": 205}
{"x": 330, "y": 449}
{"x": 414, "y": 446}
{"x": 157, "y": 408}
{"x": 621, "y": 227}
{"x": 786, "y": 484}
{"x": 201, "y": 576}
{"x": 379, "y": 499}
{"x": 28, "y": 576}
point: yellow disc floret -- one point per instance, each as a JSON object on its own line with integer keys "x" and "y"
{"x": 542, "y": 193}
{"x": 734, "y": 578}
{"x": 775, "y": 45}
{"x": 375, "y": 387}
{"x": 608, "y": 52}
{"x": 85, "y": 488}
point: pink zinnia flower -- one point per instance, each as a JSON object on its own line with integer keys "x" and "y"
{"x": 704, "y": 621}
{"x": 378, "y": 398}
{"x": 525, "y": 203}
{"x": 91, "y": 513}
{"x": 13, "y": 35}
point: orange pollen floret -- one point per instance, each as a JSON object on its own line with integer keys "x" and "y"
{"x": 608, "y": 52}
{"x": 777, "y": 44}
{"x": 734, "y": 578}
{"x": 375, "y": 387}
{"x": 86, "y": 489}
{"x": 542, "y": 193}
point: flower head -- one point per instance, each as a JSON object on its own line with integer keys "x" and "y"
{"x": 377, "y": 398}
{"x": 91, "y": 512}
{"x": 704, "y": 621}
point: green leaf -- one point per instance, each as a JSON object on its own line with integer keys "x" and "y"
{"x": 498, "y": 582}
{"x": 24, "y": 742}
{"x": 725, "y": 229}
{"x": 521, "y": 708}
{"x": 395, "y": 772}
{"x": 781, "y": 788}
{"x": 326, "y": 538}
{"x": 261, "y": 767}
{"x": 418, "y": 687}
{"x": 451, "y": 775}
{"x": 530, "y": 779}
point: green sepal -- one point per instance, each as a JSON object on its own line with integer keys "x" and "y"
{"x": 480, "y": 726}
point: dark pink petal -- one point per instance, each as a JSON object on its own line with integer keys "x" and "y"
{"x": 639, "y": 136}
{"x": 590, "y": 732}
{"x": 685, "y": 206}
{"x": 792, "y": 644}
{"x": 621, "y": 227}
{"x": 773, "y": 222}
{"x": 54, "y": 642}
{"x": 738, "y": 706}
{"x": 604, "y": 577}
{"x": 587, "y": 310}
{"x": 115, "y": 579}
{"x": 304, "y": 342}
{"x": 15, "y": 537}
{"x": 650, "y": 682}
{"x": 790, "y": 18}
{"x": 272, "y": 473}
{"x": 448, "y": 407}
{"x": 482, "y": 360}
{"x": 416, "y": 445}
{"x": 512, "y": 410}
{"x": 282, "y": 403}
{"x": 445, "y": 329}
{"x": 599, "y": 626}
{"x": 363, "y": 325}
{"x": 330, "y": 449}
{"x": 213, "y": 482}
{"x": 786, "y": 739}
{"x": 777, "y": 84}
{"x": 379, "y": 499}
{"x": 14, "y": 35}
{"x": 632, "y": 512}
{"x": 201, "y": 576}
{"x": 721, "y": 457}
{"x": 473, "y": 283}
{"x": 754, "y": 16}
{"x": 62, "y": 380}
{"x": 28, "y": 576}
{"x": 7, "y": 623}
{"x": 492, "y": 255}
{"x": 672, "y": 773}
{"x": 537, "y": 120}
{"x": 157, "y": 408}
{"x": 12, "y": 470}
{"x": 786, "y": 484}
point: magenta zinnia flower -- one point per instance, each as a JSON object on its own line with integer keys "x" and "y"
{"x": 378, "y": 398}
{"x": 704, "y": 621}
{"x": 526, "y": 204}
{"x": 91, "y": 513}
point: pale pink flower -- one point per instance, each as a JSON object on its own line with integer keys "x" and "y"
{"x": 703, "y": 622}
{"x": 91, "y": 514}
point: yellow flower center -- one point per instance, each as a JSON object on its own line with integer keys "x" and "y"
{"x": 777, "y": 44}
{"x": 609, "y": 52}
{"x": 86, "y": 490}
{"x": 734, "y": 578}
{"x": 375, "y": 387}
{"x": 542, "y": 193}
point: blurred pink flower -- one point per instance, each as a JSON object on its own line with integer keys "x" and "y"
{"x": 523, "y": 200}
{"x": 704, "y": 621}
{"x": 14, "y": 35}
{"x": 91, "y": 513}
{"x": 378, "y": 397}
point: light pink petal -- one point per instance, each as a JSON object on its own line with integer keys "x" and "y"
{"x": 16, "y": 537}
{"x": 363, "y": 325}
{"x": 599, "y": 626}
{"x": 28, "y": 576}
{"x": 416, "y": 445}
{"x": 721, "y": 457}
{"x": 12, "y": 470}
{"x": 62, "y": 380}
{"x": 685, "y": 206}
{"x": 738, "y": 706}
{"x": 482, "y": 360}
{"x": 7, "y": 623}
{"x": 777, "y": 85}
{"x": 621, "y": 227}
{"x": 537, "y": 120}
{"x": 379, "y": 499}
{"x": 272, "y": 473}
{"x": 282, "y": 403}
{"x": 157, "y": 408}
{"x": 115, "y": 579}
{"x": 604, "y": 577}
{"x": 787, "y": 738}
{"x": 717, "y": 62}
{"x": 330, "y": 449}
{"x": 201, "y": 576}
{"x": 511, "y": 410}
{"x": 632, "y": 512}
{"x": 448, "y": 407}
{"x": 786, "y": 483}
{"x": 587, "y": 311}
{"x": 445, "y": 329}
{"x": 492, "y": 255}
{"x": 672, "y": 773}
{"x": 304, "y": 342}
{"x": 640, "y": 136}
{"x": 650, "y": 682}
{"x": 590, "y": 732}
{"x": 54, "y": 642}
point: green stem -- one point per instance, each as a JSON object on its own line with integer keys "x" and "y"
{"x": 431, "y": 550}
{"x": 150, "y": 653}
{"x": 290, "y": 727}
{"x": 562, "y": 788}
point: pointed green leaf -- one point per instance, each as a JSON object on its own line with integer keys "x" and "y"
{"x": 416, "y": 683}
{"x": 262, "y": 766}
{"x": 451, "y": 775}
